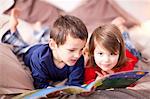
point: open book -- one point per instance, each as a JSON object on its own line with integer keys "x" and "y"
{"x": 117, "y": 80}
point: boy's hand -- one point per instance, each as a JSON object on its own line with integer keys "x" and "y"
{"x": 84, "y": 94}
{"x": 54, "y": 94}
{"x": 61, "y": 83}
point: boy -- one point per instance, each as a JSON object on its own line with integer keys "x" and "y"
{"x": 58, "y": 60}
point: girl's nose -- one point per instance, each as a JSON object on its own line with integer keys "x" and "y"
{"x": 106, "y": 58}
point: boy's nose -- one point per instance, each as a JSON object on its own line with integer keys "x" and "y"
{"x": 77, "y": 55}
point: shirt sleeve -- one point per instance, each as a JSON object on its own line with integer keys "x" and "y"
{"x": 132, "y": 59}
{"x": 76, "y": 74}
{"x": 38, "y": 74}
{"x": 89, "y": 74}
{"x": 130, "y": 64}
{"x": 38, "y": 69}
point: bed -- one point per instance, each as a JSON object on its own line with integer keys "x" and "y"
{"x": 103, "y": 11}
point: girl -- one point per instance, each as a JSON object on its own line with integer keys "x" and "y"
{"x": 107, "y": 53}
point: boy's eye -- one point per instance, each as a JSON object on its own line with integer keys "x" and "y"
{"x": 71, "y": 50}
{"x": 82, "y": 49}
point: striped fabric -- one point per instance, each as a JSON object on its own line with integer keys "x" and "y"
{"x": 130, "y": 46}
{"x": 20, "y": 46}
{"x": 14, "y": 39}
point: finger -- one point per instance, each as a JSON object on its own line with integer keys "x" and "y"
{"x": 109, "y": 72}
{"x": 53, "y": 94}
{"x": 98, "y": 77}
{"x": 99, "y": 74}
{"x": 104, "y": 73}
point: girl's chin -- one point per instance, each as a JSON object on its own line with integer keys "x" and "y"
{"x": 106, "y": 69}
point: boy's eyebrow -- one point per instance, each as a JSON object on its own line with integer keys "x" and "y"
{"x": 71, "y": 48}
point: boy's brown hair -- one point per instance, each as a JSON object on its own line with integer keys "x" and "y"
{"x": 111, "y": 38}
{"x": 68, "y": 25}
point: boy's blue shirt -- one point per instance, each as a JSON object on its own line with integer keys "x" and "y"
{"x": 39, "y": 58}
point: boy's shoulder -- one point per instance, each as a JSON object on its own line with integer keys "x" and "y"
{"x": 41, "y": 46}
{"x": 40, "y": 49}
{"x": 80, "y": 61}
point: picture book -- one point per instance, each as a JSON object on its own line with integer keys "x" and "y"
{"x": 116, "y": 80}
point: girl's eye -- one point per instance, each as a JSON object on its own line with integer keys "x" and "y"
{"x": 100, "y": 53}
{"x": 112, "y": 54}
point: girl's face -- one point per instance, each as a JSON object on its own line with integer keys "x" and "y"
{"x": 105, "y": 59}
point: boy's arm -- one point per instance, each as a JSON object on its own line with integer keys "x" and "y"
{"x": 38, "y": 75}
{"x": 76, "y": 75}
{"x": 38, "y": 70}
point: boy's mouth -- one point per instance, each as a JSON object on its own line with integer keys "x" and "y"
{"x": 73, "y": 60}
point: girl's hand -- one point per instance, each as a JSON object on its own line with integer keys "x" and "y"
{"x": 103, "y": 73}
{"x": 100, "y": 75}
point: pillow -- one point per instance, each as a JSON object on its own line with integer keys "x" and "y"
{"x": 140, "y": 37}
{"x": 14, "y": 77}
{"x": 5, "y": 5}
{"x": 4, "y": 25}
{"x": 66, "y": 5}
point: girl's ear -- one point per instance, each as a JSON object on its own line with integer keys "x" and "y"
{"x": 52, "y": 44}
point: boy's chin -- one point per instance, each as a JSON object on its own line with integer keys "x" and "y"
{"x": 71, "y": 63}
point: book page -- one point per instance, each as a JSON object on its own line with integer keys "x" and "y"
{"x": 121, "y": 80}
{"x": 117, "y": 80}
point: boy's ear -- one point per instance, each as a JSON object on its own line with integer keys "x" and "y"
{"x": 52, "y": 44}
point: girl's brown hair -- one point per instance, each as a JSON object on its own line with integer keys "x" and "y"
{"x": 111, "y": 38}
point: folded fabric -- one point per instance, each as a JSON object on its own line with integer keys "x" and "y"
{"x": 5, "y": 5}
{"x": 14, "y": 77}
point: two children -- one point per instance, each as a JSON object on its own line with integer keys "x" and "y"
{"x": 62, "y": 58}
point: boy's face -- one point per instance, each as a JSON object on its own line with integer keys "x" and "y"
{"x": 104, "y": 59}
{"x": 71, "y": 51}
